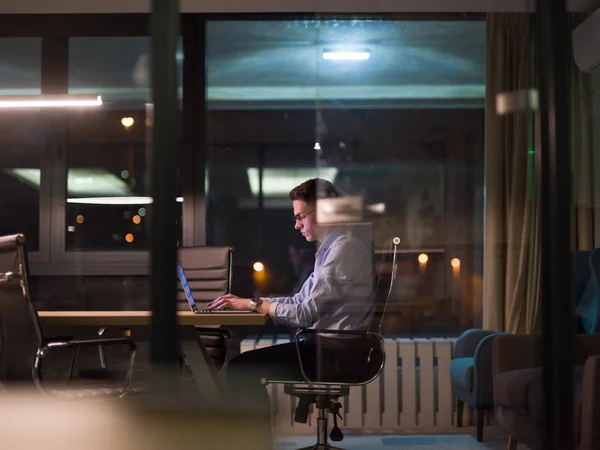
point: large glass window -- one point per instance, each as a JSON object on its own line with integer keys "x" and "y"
{"x": 107, "y": 193}
{"x": 390, "y": 111}
{"x": 22, "y": 140}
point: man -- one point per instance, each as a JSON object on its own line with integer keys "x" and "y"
{"x": 303, "y": 262}
{"x": 337, "y": 295}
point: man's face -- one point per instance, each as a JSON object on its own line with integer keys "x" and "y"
{"x": 306, "y": 220}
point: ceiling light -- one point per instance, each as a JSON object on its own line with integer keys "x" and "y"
{"x": 127, "y": 122}
{"x": 50, "y": 101}
{"x": 125, "y": 200}
{"x": 81, "y": 182}
{"x": 361, "y": 55}
{"x": 378, "y": 208}
{"x": 129, "y": 200}
{"x": 279, "y": 182}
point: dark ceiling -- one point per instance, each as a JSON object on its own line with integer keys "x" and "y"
{"x": 279, "y": 62}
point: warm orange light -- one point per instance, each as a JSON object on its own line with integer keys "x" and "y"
{"x": 127, "y": 122}
{"x": 455, "y": 263}
{"x": 129, "y": 237}
{"x": 136, "y": 219}
{"x": 258, "y": 266}
{"x": 423, "y": 258}
{"x": 80, "y": 218}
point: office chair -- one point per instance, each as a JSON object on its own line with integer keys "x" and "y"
{"x": 23, "y": 346}
{"x": 209, "y": 273}
{"x": 326, "y": 392}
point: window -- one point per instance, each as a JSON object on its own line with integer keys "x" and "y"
{"x": 388, "y": 110}
{"x": 107, "y": 191}
{"x": 22, "y": 141}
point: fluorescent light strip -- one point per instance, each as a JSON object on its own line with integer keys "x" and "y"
{"x": 346, "y": 56}
{"x": 280, "y": 181}
{"x": 130, "y": 200}
{"x": 50, "y": 101}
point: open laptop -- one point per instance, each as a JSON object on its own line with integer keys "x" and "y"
{"x": 190, "y": 298}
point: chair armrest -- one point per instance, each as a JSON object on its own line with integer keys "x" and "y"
{"x": 467, "y": 343}
{"x": 60, "y": 339}
{"x": 53, "y": 343}
{"x": 76, "y": 344}
{"x": 590, "y": 406}
{"x": 224, "y": 332}
{"x": 358, "y": 333}
{"x": 483, "y": 387}
{"x": 516, "y": 351}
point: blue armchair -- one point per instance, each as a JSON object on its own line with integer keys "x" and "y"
{"x": 471, "y": 374}
{"x": 586, "y": 290}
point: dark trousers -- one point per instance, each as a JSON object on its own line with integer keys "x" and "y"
{"x": 322, "y": 359}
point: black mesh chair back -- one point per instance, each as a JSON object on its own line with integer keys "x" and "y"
{"x": 20, "y": 331}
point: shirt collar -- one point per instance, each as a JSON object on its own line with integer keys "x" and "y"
{"x": 337, "y": 232}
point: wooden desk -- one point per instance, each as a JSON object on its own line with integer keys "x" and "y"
{"x": 142, "y": 318}
{"x": 196, "y": 356}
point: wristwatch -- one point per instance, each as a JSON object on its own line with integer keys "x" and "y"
{"x": 255, "y": 302}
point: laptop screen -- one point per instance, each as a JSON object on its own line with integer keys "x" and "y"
{"x": 185, "y": 285}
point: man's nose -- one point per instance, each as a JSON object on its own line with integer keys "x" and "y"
{"x": 298, "y": 225}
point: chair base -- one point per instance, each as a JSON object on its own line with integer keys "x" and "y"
{"x": 321, "y": 447}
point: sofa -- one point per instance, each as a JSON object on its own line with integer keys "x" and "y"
{"x": 518, "y": 389}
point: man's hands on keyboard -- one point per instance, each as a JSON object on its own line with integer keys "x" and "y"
{"x": 229, "y": 301}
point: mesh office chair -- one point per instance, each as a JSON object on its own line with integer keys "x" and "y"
{"x": 23, "y": 347}
{"x": 209, "y": 273}
{"x": 326, "y": 392}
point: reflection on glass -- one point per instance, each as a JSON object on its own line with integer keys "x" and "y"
{"x": 390, "y": 111}
{"x": 108, "y": 177}
{"x": 22, "y": 140}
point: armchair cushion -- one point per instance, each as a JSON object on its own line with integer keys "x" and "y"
{"x": 461, "y": 373}
{"x": 522, "y": 391}
{"x": 511, "y": 388}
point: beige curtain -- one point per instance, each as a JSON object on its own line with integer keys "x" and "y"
{"x": 512, "y": 223}
{"x": 581, "y": 154}
{"x": 512, "y": 207}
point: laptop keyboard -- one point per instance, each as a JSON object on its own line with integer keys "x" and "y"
{"x": 222, "y": 311}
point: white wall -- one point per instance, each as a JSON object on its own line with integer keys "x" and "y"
{"x": 375, "y": 6}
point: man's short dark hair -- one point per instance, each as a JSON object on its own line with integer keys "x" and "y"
{"x": 312, "y": 189}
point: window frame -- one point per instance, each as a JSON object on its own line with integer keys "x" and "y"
{"x": 55, "y": 30}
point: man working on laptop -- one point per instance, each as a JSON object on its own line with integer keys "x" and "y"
{"x": 337, "y": 295}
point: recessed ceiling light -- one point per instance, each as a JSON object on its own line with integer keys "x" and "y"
{"x": 355, "y": 55}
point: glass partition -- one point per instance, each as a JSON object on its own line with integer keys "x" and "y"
{"x": 108, "y": 176}
{"x": 23, "y": 140}
{"x": 391, "y": 111}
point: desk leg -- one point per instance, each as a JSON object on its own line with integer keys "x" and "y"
{"x": 202, "y": 367}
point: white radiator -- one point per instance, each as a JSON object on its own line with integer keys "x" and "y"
{"x": 414, "y": 389}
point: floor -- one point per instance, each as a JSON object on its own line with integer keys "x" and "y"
{"x": 494, "y": 439}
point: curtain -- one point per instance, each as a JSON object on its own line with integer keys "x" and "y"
{"x": 582, "y": 161}
{"x": 512, "y": 239}
{"x": 512, "y": 205}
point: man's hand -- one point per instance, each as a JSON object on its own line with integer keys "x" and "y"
{"x": 230, "y": 301}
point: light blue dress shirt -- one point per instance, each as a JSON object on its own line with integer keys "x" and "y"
{"x": 338, "y": 294}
